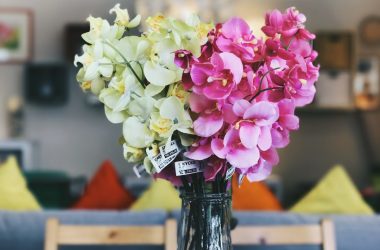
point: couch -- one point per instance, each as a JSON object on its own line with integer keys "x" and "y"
{"x": 25, "y": 230}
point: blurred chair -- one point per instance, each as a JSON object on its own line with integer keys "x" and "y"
{"x": 58, "y": 235}
{"x": 321, "y": 234}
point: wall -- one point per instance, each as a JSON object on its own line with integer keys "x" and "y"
{"x": 75, "y": 137}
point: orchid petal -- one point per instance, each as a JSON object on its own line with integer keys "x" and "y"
{"x": 265, "y": 138}
{"x": 158, "y": 75}
{"x": 249, "y": 135}
{"x": 242, "y": 157}
{"x": 207, "y": 125}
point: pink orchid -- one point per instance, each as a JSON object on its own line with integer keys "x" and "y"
{"x": 169, "y": 174}
{"x": 183, "y": 59}
{"x": 245, "y": 91}
{"x": 212, "y": 115}
{"x": 217, "y": 78}
{"x": 231, "y": 149}
{"x": 214, "y": 167}
{"x": 286, "y": 122}
{"x": 200, "y": 150}
{"x": 289, "y": 84}
{"x": 254, "y": 128}
{"x": 293, "y": 22}
{"x": 273, "y": 23}
{"x": 242, "y": 141}
{"x": 264, "y": 167}
{"x": 236, "y": 37}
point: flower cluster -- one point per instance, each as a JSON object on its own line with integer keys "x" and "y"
{"x": 216, "y": 94}
{"x": 244, "y": 90}
{"x": 136, "y": 79}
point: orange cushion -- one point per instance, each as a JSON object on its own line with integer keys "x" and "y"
{"x": 105, "y": 191}
{"x": 253, "y": 196}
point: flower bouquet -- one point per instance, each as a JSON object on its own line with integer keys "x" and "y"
{"x": 201, "y": 102}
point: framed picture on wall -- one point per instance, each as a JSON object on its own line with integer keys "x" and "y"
{"x": 367, "y": 83}
{"x": 16, "y": 35}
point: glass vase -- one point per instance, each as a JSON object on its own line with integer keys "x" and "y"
{"x": 205, "y": 222}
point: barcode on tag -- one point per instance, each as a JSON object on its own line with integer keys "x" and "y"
{"x": 230, "y": 173}
{"x": 187, "y": 167}
{"x": 139, "y": 170}
{"x": 163, "y": 158}
{"x": 170, "y": 150}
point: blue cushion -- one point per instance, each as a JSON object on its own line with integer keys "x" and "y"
{"x": 26, "y": 230}
{"x": 352, "y": 232}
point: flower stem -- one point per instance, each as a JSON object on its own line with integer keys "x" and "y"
{"x": 261, "y": 83}
{"x": 126, "y": 62}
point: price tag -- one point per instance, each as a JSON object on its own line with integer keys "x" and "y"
{"x": 188, "y": 167}
{"x": 230, "y": 172}
{"x": 139, "y": 170}
{"x": 170, "y": 150}
{"x": 166, "y": 154}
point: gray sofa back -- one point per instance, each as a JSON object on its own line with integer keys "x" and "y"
{"x": 352, "y": 232}
{"x": 26, "y": 231}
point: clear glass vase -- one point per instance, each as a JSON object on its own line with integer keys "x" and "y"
{"x": 205, "y": 222}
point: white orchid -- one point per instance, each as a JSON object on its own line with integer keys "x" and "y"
{"x": 137, "y": 133}
{"x": 136, "y": 79}
{"x": 100, "y": 29}
{"x": 122, "y": 17}
{"x": 132, "y": 154}
{"x": 170, "y": 117}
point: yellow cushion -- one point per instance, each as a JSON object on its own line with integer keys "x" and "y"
{"x": 14, "y": 194}
{"x": 334, "y": 194}
{"x": 160, "y": 195}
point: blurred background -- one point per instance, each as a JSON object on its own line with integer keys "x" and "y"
{"x": 61, "y": 136}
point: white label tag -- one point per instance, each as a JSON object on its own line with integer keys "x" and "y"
{"x": 164, "y": 157}
{"x": 139, "y": 170}
{"x": 230, "y": 172}
{"x": 187, "y": 167}
{"x": 168, "y": 151}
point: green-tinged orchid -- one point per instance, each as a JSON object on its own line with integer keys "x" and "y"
{"x": 100, "y": 29}
{"x": 158, "y": 75}
{"x": 122, "y": 17}
{"x": 178, "y": 91}
{"x": 137, "y": 133}
{"x": 134, "y": 48}
{"x": 94, "y": 63}
{"x": 132, "y": 154}
{"x": 171, "y": 117}
{"x": 141, "y": 107}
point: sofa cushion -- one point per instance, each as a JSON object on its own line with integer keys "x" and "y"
{"x": 105, "y": 191}
{"x": 26, "y": 230}
{"x": 334, "y": 194}
{"x": 161, "y": 194}
{"x": 253, "y": 196}
{"x": 14, "y": 193}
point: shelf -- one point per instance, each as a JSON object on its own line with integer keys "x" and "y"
{"x": 325, "y": 110}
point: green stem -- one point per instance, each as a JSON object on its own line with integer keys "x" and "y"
{"x": 126, "y": 62}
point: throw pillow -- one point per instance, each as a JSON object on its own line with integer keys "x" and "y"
{"x": 253, "y": 196}
{"x": 160, "y": 195}
{"x": 105, "y": 191}
{"x": 334, "y": 194}
{"x": 14, "y": 193}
